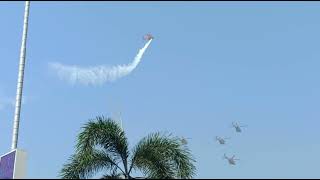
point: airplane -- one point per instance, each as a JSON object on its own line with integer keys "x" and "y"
{"x": 232, "y": 160}
{"x": 221, "y": 140}
{"x": 237, "y": 127}
{"x": 147, "y": 37}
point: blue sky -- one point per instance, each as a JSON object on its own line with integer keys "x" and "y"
{"x": 210, "y": 63}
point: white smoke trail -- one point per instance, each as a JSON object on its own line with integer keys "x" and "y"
{"x": 99, "y": 74}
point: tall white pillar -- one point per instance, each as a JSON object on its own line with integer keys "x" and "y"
{"x": 20, "y": 78}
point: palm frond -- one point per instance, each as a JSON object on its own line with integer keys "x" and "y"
{"x": 101, "y": 144}
{"x": 160, "y": 156}
{"x": 107, "y": 134}
{"x": 84, "y": 165}
{"x": 113, "y": 175}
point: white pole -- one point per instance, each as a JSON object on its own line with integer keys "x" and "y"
{"x": 120, "y": 119}
{"x": 20, "y": 78}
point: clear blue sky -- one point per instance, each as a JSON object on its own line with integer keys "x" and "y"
{"x": 210, "y": 63}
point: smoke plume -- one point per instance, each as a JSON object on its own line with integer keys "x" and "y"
{"x": 97, "y": 75}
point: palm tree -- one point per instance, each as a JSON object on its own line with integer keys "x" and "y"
{"x": 103, "y": 147}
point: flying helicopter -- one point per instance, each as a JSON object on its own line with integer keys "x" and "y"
{"x": 221, "y": 140}
{"x": 237, "y": 127}
{"x": 232, "y": 160}
{"x": 184, "y": 140}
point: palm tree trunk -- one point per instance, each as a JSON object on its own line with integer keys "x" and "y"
{"x": 127, "y": 176}
{"x": 20, "y": 78}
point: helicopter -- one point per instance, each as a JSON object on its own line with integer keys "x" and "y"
{"x": 184, "y": 141}
{"x": 238, "y": 127}
{"x": 232, "y": 160}
{"x": 221, "y": 140}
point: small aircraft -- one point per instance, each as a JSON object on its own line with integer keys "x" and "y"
{"x": 237, "y": 127}
{"x": 221, "y": 140}
{"x": 147, "y": 37}
{"x": 184, "y": 140}
{"x": 232, "y": 160}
